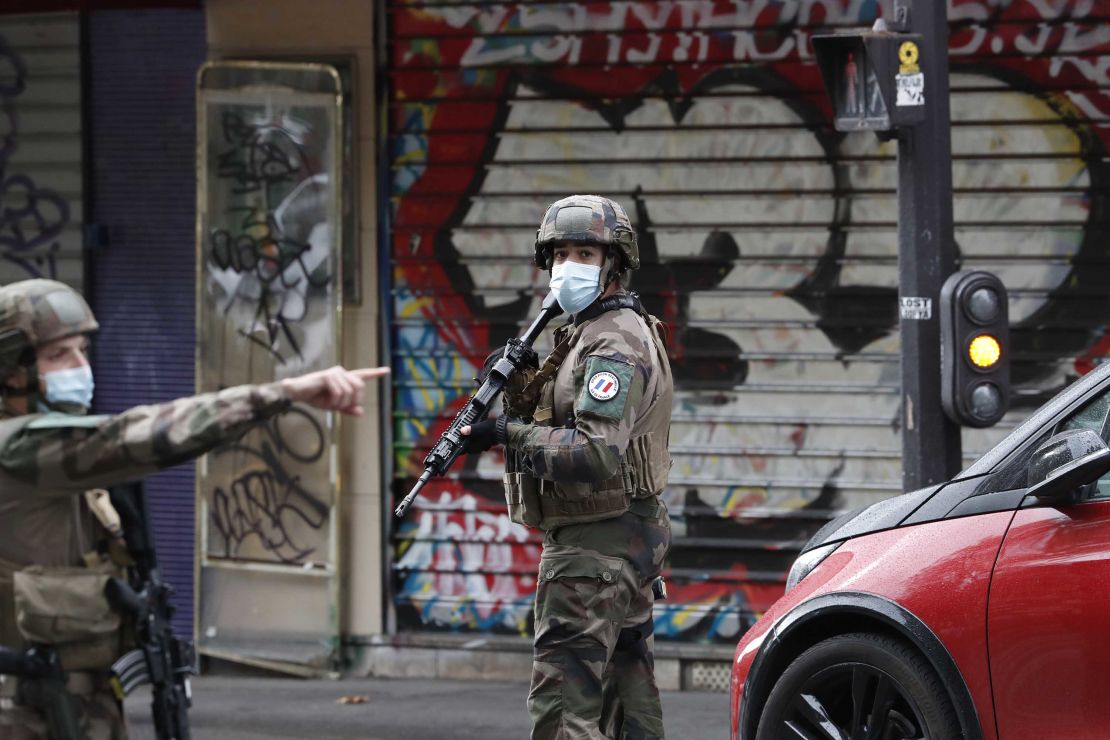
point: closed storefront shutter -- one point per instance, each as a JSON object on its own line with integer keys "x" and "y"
{"x": 142, "y": 117}
{"x": 40, "y": 148}
{"x": 769, "y": 246}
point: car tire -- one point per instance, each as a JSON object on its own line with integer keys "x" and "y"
{"x": 859, "y": 685}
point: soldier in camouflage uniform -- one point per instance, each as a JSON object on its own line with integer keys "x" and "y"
{"x": 587, "y": 463}
{"x": 51, "y": 454}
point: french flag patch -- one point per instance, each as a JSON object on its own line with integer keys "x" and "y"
{"x": 604, "y": 385}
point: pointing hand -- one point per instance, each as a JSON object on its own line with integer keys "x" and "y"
{"x": 334, "y": 389}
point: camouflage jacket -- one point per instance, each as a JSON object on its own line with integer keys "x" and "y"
{"x": 602, "y": 426}
{"x": 46, "y": 459}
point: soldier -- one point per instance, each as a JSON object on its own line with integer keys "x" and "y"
{"x": 51, "y": 453}
{"x": 587, "y": 463}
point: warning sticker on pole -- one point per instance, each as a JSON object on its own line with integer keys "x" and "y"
{"x": 907, "y": 58}
{"x": 916, "y": 309}
{"x": 910, "y": 89}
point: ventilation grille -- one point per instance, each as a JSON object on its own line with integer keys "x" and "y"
{"x": 706, "y": 675}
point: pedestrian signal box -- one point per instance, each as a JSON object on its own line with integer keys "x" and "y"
{"x": 873, "y": 78}
{"x": 974, "y": 348}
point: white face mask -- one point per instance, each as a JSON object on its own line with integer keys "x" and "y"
{"x": 575, "y": 285}
{"x": 73, "y": 386}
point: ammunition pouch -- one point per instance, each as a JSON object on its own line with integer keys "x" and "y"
{"x": 65, "y": 607}
{"x": 522, "y": 496}
{"x": 549, "y": 504}
{"x": 650, "y": 468}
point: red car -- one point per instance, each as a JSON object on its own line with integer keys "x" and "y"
{"x": 979, "y": 608}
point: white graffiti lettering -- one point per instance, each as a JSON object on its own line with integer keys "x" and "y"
{"x": 459, "y": 519}
{"x": 1052, "y": 9}
{"x": 1097, "y": 71}
{"x": 746, "y": 47}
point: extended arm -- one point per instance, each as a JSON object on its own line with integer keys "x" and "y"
{"x": 62, "y": 454}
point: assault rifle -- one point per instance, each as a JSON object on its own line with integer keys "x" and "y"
{"x": 451, "y": 443}
{"x": 162, "y": 659}
{"x": 43, "y": 685}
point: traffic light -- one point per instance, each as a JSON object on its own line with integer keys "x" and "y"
{"x": 873, "y": 78}
{"x": 974, "y": 348}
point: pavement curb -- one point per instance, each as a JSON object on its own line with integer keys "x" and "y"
{"x": 501, "y": 658}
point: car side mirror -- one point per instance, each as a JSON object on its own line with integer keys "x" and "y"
{"x": 1065, "y": 462}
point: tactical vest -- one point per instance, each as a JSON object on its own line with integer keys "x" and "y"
{"x": 52, "y": 582}
{"x": 645, "y": 463}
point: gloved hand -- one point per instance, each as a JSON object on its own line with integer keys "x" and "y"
{"x": 485, "y": 434}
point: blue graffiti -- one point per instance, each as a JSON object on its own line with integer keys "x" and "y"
{"x": 31, "y": 218}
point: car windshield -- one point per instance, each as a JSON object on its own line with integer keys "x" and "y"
{"x": 1042, "y": 416}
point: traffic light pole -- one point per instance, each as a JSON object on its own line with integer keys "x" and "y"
{"x": 926, "y": 256}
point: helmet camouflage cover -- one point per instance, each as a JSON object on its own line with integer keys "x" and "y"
{"x": 34, "y": 312}
{"x": 587, "y": 219}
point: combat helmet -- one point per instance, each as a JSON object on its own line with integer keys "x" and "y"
{"x": 34, "y": 312}
{"x": 587, "y": 219}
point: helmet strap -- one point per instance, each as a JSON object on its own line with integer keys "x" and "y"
{"x": 30, "y": 391}
{"x": 613, "y": 268}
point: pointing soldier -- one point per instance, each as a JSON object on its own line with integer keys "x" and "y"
{"x": 586, "y": 461}
{"x": 51, "y": 453}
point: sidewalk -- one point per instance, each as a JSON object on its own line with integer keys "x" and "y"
{"x": 249, "y": 708}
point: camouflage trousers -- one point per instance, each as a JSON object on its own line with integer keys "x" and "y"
{"x": 593, "y": 670}
{"x": 100, "y": 715}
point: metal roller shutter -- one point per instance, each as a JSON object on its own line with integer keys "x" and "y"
{"x": 769, "y": 246}
{"x": 142, "y": 116}
{"x": 41, "y": 185}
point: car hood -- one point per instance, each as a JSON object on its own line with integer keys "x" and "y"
{"x": 886, "y": 514}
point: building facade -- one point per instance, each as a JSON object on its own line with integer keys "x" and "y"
{"x": 768, "y": 243}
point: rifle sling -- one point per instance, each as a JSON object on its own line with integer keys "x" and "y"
{"x": 549, "y": 368}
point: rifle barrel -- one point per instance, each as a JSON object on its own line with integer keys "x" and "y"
{"x": 407, "y": 500}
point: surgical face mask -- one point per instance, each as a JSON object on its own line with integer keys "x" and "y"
{"x": 575, "y": 285}
{"x": 71, "y": 387}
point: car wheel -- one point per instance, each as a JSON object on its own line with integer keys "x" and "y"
{"x": 860, "y": 686}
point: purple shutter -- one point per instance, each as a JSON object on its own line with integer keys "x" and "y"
{"x": 141, "y": 120}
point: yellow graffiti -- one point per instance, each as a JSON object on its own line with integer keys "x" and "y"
{"x": 680, "y": 618}
{"x": 742, "y": 497}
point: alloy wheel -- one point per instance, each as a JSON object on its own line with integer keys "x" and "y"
{"x": 852, "y": 701}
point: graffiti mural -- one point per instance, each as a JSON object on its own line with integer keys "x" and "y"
{"x": 268, "y": 271}
{"x": 269, "y": 308}
{"x": 34, "y": 215}
{"x": 768, "y": 243}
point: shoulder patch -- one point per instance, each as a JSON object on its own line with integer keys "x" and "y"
{"x": 605, "y": 389}
{"x": 65, "y": 421}
{"x": 603, "y": 385}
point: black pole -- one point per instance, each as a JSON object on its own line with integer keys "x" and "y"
{"x": 926, "y": 256}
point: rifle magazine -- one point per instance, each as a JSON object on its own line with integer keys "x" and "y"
{"x": 129, "y": 673}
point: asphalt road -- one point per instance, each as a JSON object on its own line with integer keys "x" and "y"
{"x": 226, "y": 707}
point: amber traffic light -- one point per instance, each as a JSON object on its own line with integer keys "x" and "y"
{"x": 975, "y": 348}
{"x": 984, "y": 351}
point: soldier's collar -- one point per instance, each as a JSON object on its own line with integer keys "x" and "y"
{"x": 612, "y": 303}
